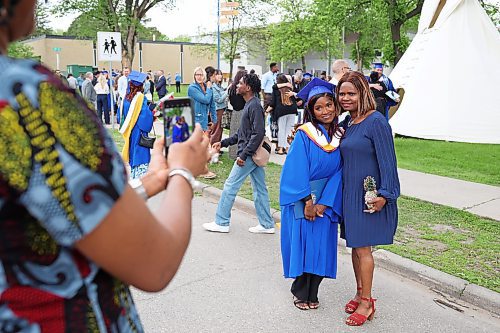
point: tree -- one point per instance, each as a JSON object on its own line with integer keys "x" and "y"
{"x": 493, "y": 11}
{"x": 42, "y": 20}
{"x": 20, "y": 50}
{"x": 296, "y": 35}
{"x": 124, "y": 16}
{"x": 243, "y": 29}
{"x": 379, "y": 24}
{"x": 86, "y": 25}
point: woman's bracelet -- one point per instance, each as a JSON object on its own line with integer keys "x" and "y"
{"x": 187, "y": 175}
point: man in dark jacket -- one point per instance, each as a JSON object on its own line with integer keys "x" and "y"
{"x": 249, "y": 138}
{"x": 161, "y": 85}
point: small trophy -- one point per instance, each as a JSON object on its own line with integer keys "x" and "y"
{"x": 370, "y": 186}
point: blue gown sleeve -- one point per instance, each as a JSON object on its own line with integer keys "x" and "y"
{"x": 145, "y": 120}
{"x": 383, "y": 142}
{"x": 332, "y": 194}
{"x": 295, "y": 175}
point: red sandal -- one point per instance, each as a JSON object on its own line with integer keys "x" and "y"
{"x": 357, "y": 319}
{"x": 352, "y": 305}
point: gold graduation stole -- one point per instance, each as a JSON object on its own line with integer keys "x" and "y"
{"x": 129, "y": 123}
{"x": 319, "y": 138}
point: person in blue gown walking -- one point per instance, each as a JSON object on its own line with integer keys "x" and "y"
{"x": 367, "y": 149}
{"x": 311, "y": 197}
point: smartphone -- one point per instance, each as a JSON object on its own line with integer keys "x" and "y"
{"x": 178, "y": 120}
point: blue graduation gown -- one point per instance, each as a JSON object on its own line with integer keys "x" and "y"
{"x": 138, "y": 154}
{"x": 177, "y": 133}
{"x": 310, "y": 246}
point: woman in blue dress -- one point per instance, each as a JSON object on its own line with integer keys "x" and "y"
{"x": 367, "y": 150}
{"x": 311, "y": 197}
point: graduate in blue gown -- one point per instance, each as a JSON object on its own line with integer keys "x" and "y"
{"x": 379, "y": 68}
{"x": 309, "y": 231}
{"x": 137, "y": 122}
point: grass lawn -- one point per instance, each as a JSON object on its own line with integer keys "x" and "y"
{"x": 473, "y": 162}
{"x": 183, "y": 93}
{"x": 453, "y": 241}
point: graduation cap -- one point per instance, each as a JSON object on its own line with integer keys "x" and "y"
{"x": 378, "y": 65}
{"x": 137, "y": 78}
{"x": 307, "y": 75}
{"x": 315, "y": 87}
{"x": 104, "y": 72}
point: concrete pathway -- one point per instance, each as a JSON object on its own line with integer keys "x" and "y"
{"x": 233, "y": 283}
{"x": 479, "y": 199}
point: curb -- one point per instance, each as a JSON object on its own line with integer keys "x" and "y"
{"x": 460, "y": 289}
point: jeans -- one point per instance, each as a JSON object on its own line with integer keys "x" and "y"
{"x": 285, "y": 126}
{"x": 260, "y": 195}
{"x": 103, "y": 107}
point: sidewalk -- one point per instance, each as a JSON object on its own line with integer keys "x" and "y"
{"x": 479, "y": 199}
{"x": 234, "y": 283}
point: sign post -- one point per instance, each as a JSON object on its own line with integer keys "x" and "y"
{"x": 109, "y": 48}
{"x": 229, "y": 9}
{"x": 57, "y": 50}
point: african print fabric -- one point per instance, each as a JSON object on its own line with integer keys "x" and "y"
{"x": 60, "y": 175}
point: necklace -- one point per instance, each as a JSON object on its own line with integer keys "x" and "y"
{"x": 351, "y": 121}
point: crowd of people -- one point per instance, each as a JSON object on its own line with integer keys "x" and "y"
{"x": 75, "y": 232}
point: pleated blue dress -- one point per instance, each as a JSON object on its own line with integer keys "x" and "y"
{"x": 310, "y": 246}
{"x": 368, "y": 150}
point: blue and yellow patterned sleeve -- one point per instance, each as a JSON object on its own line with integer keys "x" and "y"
{"x": 59, "y": 159}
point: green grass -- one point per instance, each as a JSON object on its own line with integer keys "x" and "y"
{"x": 223, "y": 168}
{"x": 448, "y": 239}
{"x": 453, "y": 241}
{"x": 473, "y": 162}
{"x": 183, "y": 93}
{"x": 117, "y": 137}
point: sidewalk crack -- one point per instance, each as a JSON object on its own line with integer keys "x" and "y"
{"x": 481, "y": 203}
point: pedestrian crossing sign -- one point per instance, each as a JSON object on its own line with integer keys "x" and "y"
{"x": 109, "y": 46}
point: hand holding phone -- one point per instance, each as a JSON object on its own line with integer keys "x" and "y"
{"x": 192, "y": 154}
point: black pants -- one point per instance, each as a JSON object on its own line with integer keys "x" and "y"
{"x": 305, "y": 287}
{"x": 177, "y": 86}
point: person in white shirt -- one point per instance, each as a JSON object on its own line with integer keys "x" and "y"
{"x": 102, "y": 91}
{"x": 72, "y": 83}
{"x": 123, "y": 83}
{"x": 122, "y": 91}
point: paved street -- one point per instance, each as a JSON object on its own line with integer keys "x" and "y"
{"x": 233, "y": 283}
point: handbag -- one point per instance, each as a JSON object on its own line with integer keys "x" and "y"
{"x": 262, "y": 154}
{"x": 146, "y": 141}
{"x": 226, "y": 118}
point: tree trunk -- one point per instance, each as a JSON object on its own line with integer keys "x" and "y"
{"x": 128, "y": 45}
{"x": 303, "y": 58}
{"x": 359, "y": 59}
{"x": 396, "y": 39}
{"x": 231, "y": 65}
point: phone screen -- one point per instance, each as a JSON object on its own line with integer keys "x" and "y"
{"x": 178, "y": 120}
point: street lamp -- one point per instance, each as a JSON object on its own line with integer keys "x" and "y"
{"x": 228, "y": 11}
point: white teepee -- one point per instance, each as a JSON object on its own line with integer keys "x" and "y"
{"x": 451, "y": 76}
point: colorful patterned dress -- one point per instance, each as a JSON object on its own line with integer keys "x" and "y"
{"x": 60, "y": 175}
